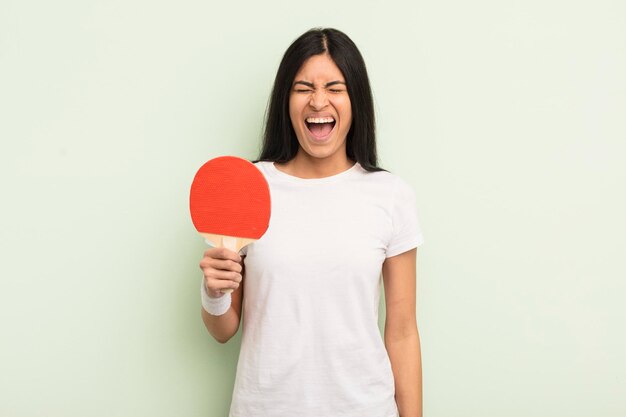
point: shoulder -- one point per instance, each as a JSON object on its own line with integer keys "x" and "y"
{"x": 263, "y": 166}
{"x": 388, "y": 180}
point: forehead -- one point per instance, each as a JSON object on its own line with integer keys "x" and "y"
{"x": 319, "y": 67}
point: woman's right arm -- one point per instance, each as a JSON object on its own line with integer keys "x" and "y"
{"x": 223, "y": 268}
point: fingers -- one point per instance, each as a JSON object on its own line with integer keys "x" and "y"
{"x": 222, "y": 275}
{"x": 220, "y": 264}
{"x": 222, "y": 269}
{"x": 216, "y": 280}
{"x": 215, "y": 287}
{"x": 222, "y": 253}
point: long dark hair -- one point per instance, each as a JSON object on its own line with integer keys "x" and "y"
{"x": 280, "y": 143}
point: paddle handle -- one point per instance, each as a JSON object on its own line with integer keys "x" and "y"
{"x": 229, "y": 242}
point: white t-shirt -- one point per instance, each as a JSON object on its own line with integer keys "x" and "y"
{"x": 310, "y": 345}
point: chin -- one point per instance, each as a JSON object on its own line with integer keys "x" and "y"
{"x": 325, "y": 153}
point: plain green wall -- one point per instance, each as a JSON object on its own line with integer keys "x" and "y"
{"x": 507, "y": 117}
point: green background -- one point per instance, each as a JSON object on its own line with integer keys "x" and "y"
{"x": 507, "y": 117}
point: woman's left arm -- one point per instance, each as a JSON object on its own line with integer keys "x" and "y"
{"x": 401, "y": 335}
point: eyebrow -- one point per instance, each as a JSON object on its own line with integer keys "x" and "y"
{"x": 328, "y": 84}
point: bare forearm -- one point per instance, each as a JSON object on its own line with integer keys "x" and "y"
{"x": 406, "y": 362}
{"x": 223, "y": 327}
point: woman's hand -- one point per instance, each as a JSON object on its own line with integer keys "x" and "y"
{"x": 222, "y": 270}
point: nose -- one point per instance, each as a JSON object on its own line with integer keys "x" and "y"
{"x": 319, "y": 99}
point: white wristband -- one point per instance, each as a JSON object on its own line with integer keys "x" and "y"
{"x": 214, "y": 306}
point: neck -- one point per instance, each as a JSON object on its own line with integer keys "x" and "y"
{"x": 305, "y": 166}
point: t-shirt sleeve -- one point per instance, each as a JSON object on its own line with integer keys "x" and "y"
{"x": 406, "y": 230}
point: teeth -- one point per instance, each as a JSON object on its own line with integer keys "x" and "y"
{"x": 320, "y": 119}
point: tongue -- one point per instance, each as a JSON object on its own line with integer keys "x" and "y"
{"x": 320, "y": 129}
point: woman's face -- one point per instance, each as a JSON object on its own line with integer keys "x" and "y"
{"x": 320, "y": 110}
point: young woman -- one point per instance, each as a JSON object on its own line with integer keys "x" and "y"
{"x": 311, "y": 346}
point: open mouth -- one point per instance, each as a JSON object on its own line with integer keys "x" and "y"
{"x": 320, "y": 127}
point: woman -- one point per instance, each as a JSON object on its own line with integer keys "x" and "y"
{"x": 311, "y": 346}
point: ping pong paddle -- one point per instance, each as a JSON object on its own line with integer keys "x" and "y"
{"x": 229, "y": 203}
